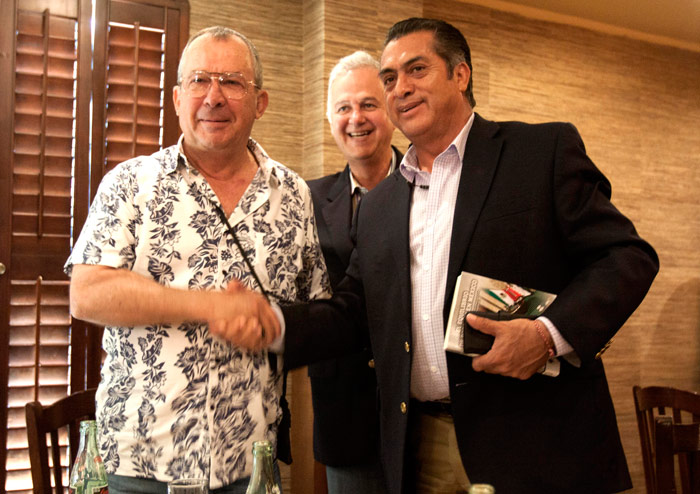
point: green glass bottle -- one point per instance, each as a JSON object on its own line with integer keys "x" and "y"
{"x": 262, "y": 480}
{"x": 88, "y": 475}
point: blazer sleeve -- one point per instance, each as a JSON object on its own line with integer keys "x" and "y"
{"x": 329, "y": 328}
{"x": 614, "y": 267}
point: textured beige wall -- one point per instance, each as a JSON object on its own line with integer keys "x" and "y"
{"x": 636, "y": 105}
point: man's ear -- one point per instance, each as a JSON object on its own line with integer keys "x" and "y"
{"x": 261, "y": 102}
{"x": 462, "y": 74}
{"x": 176, "y": 99}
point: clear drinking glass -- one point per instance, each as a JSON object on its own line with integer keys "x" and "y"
{"x": 188, "y": 486}
{"x": 481, "y": 489}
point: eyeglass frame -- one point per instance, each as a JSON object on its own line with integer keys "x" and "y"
{"x": 219, "y": 76}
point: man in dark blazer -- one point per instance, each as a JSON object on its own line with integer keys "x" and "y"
{"x": 511, "y": 201}
{"x": 344, "y": 390}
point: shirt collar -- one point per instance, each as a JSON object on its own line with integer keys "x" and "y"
{"x": 262, "y": 158}
{"x": 409, "y": 165}
{"x": 354, "y": 184}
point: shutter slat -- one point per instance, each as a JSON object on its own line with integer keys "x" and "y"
{"x": 26, "y": 225}
{"x": 124, "y": 74}
{"x": 124, "y": 93}
{"x": 28, "y": 205}
{"x": 29, "y": 164}
{"x": 50, "y": 335}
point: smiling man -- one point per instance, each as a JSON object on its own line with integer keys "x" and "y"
{"x": 506, "y": 200}
{"x": 156, "y": 263}
{"x": 344, "y": 389}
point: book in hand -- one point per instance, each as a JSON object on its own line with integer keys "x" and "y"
{"x": 490, "y": 298}
{"x": 478, "y": 343}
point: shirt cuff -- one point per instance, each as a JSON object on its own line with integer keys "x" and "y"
{"x": 277, "y": 346}
{"x": 562, "y": 348}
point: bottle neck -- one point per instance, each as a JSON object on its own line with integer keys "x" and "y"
{"x": 262, "y": 479}
{"x": 88, "y": 469}
{"x": 262, "y": 458}
{"x": 88, "y": 437}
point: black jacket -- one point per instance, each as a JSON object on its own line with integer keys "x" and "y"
{"x": 534, "y": 210}
{"x": 344, "y": 389}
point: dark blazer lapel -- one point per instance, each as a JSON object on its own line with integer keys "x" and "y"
{"x": 337, "y": 214}
{"x": 481, "y": 157}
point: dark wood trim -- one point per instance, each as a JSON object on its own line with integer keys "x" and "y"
{"x": 173, "y": 35}
{"x": 81, "y": 199}
{"x": 99, "y": 95}
{"x": 82, "y": 125}
{"x": 7, "y": 92}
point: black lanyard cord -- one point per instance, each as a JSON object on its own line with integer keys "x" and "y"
{"x": 231, "y": 232}
{"x": 271, "y": 356}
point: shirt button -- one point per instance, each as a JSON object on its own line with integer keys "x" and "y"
{"x": 433, "y": 369}
{"x": 404, "y": 408}
{"x": 426, "y": 317}
{"x": 407, "y": 346}
{"x": 371, "y": 363}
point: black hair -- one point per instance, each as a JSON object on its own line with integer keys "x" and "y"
{"x": 450, "y": 44}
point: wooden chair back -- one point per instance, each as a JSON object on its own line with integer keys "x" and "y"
{"x": 681, "y": 441}
{"x": 654, "y": 401}
{"x": 42, "y": 420}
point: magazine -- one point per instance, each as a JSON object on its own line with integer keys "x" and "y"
{"x": 495, "y": 299}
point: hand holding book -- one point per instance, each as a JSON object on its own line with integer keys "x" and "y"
{"x": 477, "y": 343}
{"x": 495, "y": 300}
{"x": 517, "y": 350}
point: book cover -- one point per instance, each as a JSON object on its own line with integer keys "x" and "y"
{"x": 475, "y": 293}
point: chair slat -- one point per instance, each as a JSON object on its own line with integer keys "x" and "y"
{"x": 683, "y": 441}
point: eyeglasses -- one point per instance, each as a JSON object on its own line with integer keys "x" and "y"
{"x": 233, "y": 85}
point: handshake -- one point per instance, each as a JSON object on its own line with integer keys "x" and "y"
{"x": 244, "y": 318}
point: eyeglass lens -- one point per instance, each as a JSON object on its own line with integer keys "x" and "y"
{"x": 233, "y": 85}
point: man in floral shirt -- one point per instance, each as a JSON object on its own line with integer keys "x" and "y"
{"x": 156, "y": 262}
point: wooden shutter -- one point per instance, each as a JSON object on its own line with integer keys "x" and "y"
{"x": 136, "y": 101}
{"x": 42, "y": 164}
{"x": 49, "y": 171}
{"x": 134, "y": 110}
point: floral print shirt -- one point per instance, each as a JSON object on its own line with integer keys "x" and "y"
{"x": 173, "y": 401}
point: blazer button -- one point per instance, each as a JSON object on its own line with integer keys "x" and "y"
{"x": 404, "y": 408}
{"x": 407, "y": 346}
{"x": 371, "y": 363}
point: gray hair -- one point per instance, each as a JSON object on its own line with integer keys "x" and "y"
{"x": 346, "y": 64}
{"x": 225, "y": 33}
